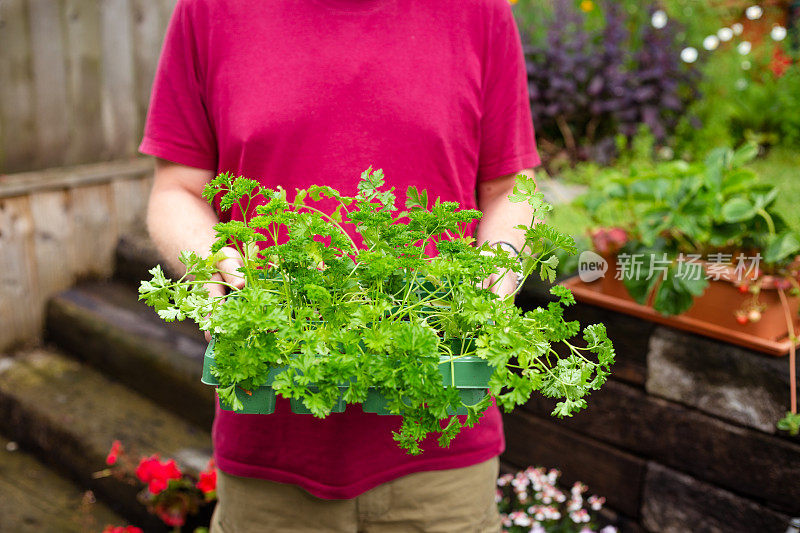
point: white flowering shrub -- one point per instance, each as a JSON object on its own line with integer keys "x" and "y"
{"x": 531, "y": 501}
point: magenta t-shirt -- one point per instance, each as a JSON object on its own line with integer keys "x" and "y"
{"x": 301, "y": 92}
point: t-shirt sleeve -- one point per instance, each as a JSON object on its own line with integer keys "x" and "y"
{"x": 178, "y": 126}
{"x": 507, "y": 137}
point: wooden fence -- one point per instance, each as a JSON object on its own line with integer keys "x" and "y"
{"x": 60, "y": 225}
{"x": 75, "y": 78}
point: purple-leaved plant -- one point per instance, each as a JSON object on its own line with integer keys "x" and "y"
{"x": 587, "y": 86}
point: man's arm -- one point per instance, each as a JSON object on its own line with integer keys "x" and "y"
{"x": 500, "y": 215}
{"x": 179, "y": 218}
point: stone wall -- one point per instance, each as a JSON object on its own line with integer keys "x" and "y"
{"x": 682, "y": 438}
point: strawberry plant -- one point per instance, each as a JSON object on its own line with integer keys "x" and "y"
{"x": 682, "y": 224}
{"x": 674, "y": 213}
{"x": 346, "y": 296}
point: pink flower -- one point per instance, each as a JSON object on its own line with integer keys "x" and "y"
{"x": 609, "y": 240}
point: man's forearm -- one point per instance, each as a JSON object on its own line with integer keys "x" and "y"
{"x": 178, "y": 218}
{"x": 500, "y": 214}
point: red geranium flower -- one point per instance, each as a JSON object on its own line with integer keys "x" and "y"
{"x": 173, "y": 508}
{"x": 208, "y": 481}
{"x": 122, "y": 529}
{"x": 157, "y": 474}
{"x": 171, "y": 516}
{"x": 113, "y": 454}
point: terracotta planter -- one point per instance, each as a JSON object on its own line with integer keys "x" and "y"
{"x": 712, "y": 315}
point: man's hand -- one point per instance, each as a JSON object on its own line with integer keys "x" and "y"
{"x": 229, "y": 268}
{"x": 178, "y": 218}
{"x": 502, "y": 288}
{"x": 500, "y": 216}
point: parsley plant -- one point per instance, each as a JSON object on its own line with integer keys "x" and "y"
{"x": 342, "y": 302}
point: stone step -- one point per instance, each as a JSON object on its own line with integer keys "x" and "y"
{"x": 134, "y": 256}
{"x": 35, "y": 499}
{"x": 68, "y": 413}
{"x": 104, "y": 324}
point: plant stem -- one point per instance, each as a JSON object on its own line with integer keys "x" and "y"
{"x": 325, "y": 215}
{"x": 770, "y": 223}
{"x": 787, "y": 313}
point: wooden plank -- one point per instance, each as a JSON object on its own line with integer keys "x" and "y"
{"x": 166, "y": 7}
{"x": 63, "y": 178}
{"x": 130, "y": 201}
{"x": 148, "y": 34}
{"x": 49, "y": 76}
{"x": 737, "y": 459}
{"x": 20, "y": 314}
{"x": 722, "y": 380}
{"x": 17, "y": 132}
{"x": 676, "y": 503}
{"x": 33, "y": 498}
{"x": 52, "y": 235}
{"x": 119, "y": 111}
{"x": 94, "y": 231}
{"x": 84, "y": 72}
{"x": 608, "y": 471}
{"x": 69, "y": 414}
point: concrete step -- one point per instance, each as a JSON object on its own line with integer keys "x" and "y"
{"x": 68, "y": 413}
{"x": 104, "y": 324}
{"x": 35, "y": 499}
{"x": 134, "y": 256}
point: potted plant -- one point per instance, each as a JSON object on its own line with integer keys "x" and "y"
{"x": 697, "y": 246}
{"x": 349, "y": 300}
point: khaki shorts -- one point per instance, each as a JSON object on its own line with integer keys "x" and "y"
{"x": 442, "y": 501}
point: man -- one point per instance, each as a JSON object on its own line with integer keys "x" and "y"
{"x": 304, "y": 92}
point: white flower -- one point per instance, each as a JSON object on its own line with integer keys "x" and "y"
{"x": 746, "y": 65}
{"x": 754, "y": 12}
{"x": 744, "y": 47}
{"x": 538, "y": 529}
{"x": 689, "y": 55}
{"x": 741, "y": 84}
{"x": 522, "y": 520}
{"x": 659, "y": 19}
{"x": 609, "y": 529}
{"x": 711, "y": 42}
{"x": 504, "y": 480}
{"x": 778, "y": 33}
{"x": 666, "y": 153}
{"x": 725, "y": 34}
{"x": 737, "y": 29}
{"x": 596, "y": 502}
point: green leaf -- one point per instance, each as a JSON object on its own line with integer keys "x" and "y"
{"x": 676, "y": 294}
{"x": 790, "y": 423}
{"x": 738, "y": 209}
{"x": 548, "y": 269}
{"x": 744, "y": 154}
{"x": 781, "y": 247}
{"x": 525, "y": 190}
